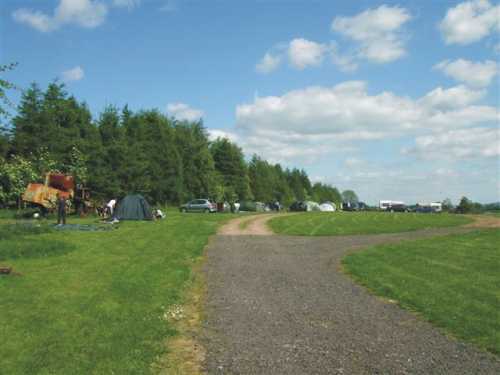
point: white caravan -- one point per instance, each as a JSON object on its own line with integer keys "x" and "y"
{"x": 386, "y": 205}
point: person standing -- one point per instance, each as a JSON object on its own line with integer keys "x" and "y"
{"x": 61, "y": 210}
{"x": 111, "y": 207}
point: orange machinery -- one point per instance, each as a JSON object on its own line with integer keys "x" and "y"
{"x": 46, "y": 194}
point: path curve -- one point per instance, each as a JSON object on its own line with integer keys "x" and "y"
{"x": 483, "y": 221}
{"x": 281, "y": 305}
{"x": 254, "y": 225}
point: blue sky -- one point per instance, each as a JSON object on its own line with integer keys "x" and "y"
{"x": 397, "y": 100}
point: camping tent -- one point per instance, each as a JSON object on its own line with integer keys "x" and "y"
{"x": 311, "y": 206}
{"x": 327, "y": 207}
{"x": 304, "y": 206}
{"x": 133, "y": 207}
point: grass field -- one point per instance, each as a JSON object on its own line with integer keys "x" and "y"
{"x": 345, "y": 223}
{"x": 451, "y": 281}
{"x": 94, "y": 302}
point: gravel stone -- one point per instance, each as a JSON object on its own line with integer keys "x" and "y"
{"x": 281, "y": 305}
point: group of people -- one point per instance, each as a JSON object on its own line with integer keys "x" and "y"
{"x": 107, "y": 210}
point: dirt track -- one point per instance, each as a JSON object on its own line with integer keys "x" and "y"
{"x": 254, "y": 225}
{"x": 281, "y": 305}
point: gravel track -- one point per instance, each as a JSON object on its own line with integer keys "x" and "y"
{"x": 281, "y": 305}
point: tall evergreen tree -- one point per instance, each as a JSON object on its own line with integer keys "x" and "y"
{"x": 197, "y": 162}
{"x": 230, "y": 165}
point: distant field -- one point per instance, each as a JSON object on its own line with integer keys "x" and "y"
{"x": 452, "y": 281}
{"x": 345, "y": 223}
{"x": 94, "y": 302}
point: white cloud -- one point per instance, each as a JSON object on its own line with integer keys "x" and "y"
{"x": 458, "y": 144}
{"x": 378, "y": 32}
{"x": 84, "y": 13}
{"x": 35, "y": 19}
{"x": 129, "y": 4}
{"x": 313, "y": 122}
{"x": 303, "y": 53}
{"x": 477, "y": 74}
{"x": 268, "y": 63}
{"x": 213, "y": 134}
{"x": 345, "y": 62}
{"x": 319, "y": 110}
{"x": 452, "y": 98}
{"x": 182, "y": 111}
{"x": 470, "y": 22}
{"x": 74, "y": 74}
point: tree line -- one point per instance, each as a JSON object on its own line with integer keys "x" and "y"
{"x": 145, "y": 152}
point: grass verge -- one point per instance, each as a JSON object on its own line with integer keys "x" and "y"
{"x": 101, "y": 307}
{"x": 346, "y": 223}
{"x": 451, "y": 281}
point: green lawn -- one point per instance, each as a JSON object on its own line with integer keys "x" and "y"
{"x": 345, "y": 223}
{"x": 93, "y": 302}
{"x": 452, "y": 281}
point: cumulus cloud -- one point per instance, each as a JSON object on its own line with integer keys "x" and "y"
{"x": 35, "y": 19}
{"x": 268, "y": 63}
{"x": 345, "y": 62}
{"x": 452, "y": 98}
{"x": 378, "y": 32}
{"x": 182, "y": 111}
{"x": 458, "y": 144}
{"x": 84, "y": 13}
{"x": 320, "y": 110}
{"x": 476, "y": 74}
{"x": 470, "y": 21}
{"x": 312, "y": 122}
{"x": 74, "y": 74}
{"x": 303, "y": 53}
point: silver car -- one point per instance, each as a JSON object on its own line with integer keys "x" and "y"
{"x": 199, "y": 205}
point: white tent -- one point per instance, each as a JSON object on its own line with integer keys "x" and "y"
{"x": 312, "y": 206}
{"x": 327, "y": 207}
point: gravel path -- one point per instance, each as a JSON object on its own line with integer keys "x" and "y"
{"x": 280, "y": 305}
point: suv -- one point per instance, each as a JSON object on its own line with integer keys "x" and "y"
{"x": 199, "y": 205}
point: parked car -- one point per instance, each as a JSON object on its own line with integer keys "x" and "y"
{"x": 350, "y": 206}
{"x": 398, "y": 208}
{"x": 298, "y": 206}
{"x": 199, "y": 205}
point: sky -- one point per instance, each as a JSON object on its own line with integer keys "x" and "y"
{"x": 395, "y": 100}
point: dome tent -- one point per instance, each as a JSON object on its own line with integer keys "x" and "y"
{"x": 133, "y": 207}
{"x": 328, "y": 206}
{"x": 311, "y": 206}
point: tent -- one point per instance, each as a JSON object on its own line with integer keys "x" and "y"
{"x": 311, "y": 206}
{"x": 304, "y": 206}
{"x": 327, "y": 207}
{"x": 133, "y": 207}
